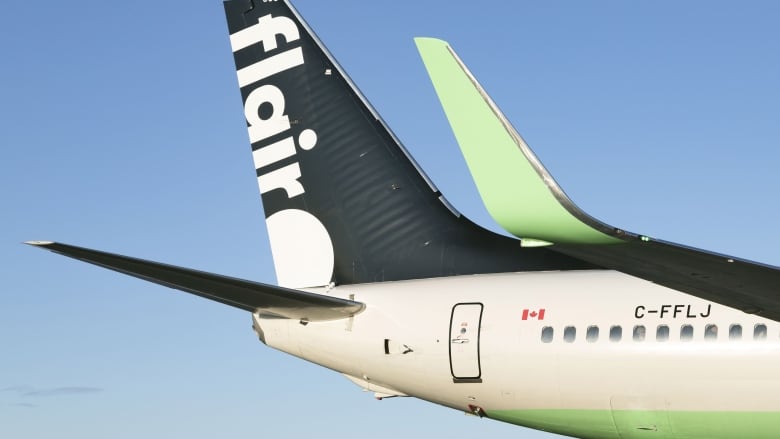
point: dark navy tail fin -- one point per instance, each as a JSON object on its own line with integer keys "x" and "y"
{"x": 344, "y": 202}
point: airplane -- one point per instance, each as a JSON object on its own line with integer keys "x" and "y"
{"x": 382, "y": 280}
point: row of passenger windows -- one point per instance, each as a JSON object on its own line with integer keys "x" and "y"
{"x": 662, "y": 332}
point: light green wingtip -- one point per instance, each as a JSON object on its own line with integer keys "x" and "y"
{"x": 516, "y": 189}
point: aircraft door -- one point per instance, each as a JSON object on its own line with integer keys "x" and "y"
{"x": 464, "y": 342}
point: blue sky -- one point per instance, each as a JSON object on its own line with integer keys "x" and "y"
{"x": 122, "y": 130}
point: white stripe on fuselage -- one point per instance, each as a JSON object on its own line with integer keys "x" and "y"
{"x": 519, "y": 371}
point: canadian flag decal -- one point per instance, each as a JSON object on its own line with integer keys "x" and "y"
{"x": 533, "y": 314}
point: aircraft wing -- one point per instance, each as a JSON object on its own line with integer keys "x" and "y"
{"x": 522, "y": 196}
{"x": 243, "y": 294}
{"x": 745, "y": 285}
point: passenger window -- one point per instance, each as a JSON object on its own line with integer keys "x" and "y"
{"x": 662, "y": 333}
{"x": 759, "y": 332}
{"x": 711, "y": 332}
{"x": 639, "y": 333}
{"x": 735, "y": 332}
{"x": 547, "y": 334}
{"x": 615, "y": 333}
{"x": 569, "y": 334}
{"x": 592, "y": 335}
{"x": 686, "y": 333}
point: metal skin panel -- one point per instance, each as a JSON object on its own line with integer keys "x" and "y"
{"x": 594, "y": 424}
{"x": 585, "y": 389}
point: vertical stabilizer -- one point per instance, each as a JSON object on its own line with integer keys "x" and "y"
{"x": 343, "y": 200}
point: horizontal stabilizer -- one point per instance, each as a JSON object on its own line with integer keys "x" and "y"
{"x": 243, "y": 294}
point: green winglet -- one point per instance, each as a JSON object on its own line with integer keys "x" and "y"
{"x": 516, "y": 189}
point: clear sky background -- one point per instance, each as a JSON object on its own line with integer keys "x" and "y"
{"x": 122, "y": 129}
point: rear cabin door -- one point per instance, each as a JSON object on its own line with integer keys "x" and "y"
{"x": 464, "y": 342}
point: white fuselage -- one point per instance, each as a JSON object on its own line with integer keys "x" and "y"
{"x": 415, "y": 339}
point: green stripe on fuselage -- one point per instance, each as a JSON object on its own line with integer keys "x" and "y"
{"x": 512, "y": 190}
{"x": 627, "y": 424}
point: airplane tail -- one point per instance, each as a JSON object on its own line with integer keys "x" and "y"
{"x": 344, "y": 202}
